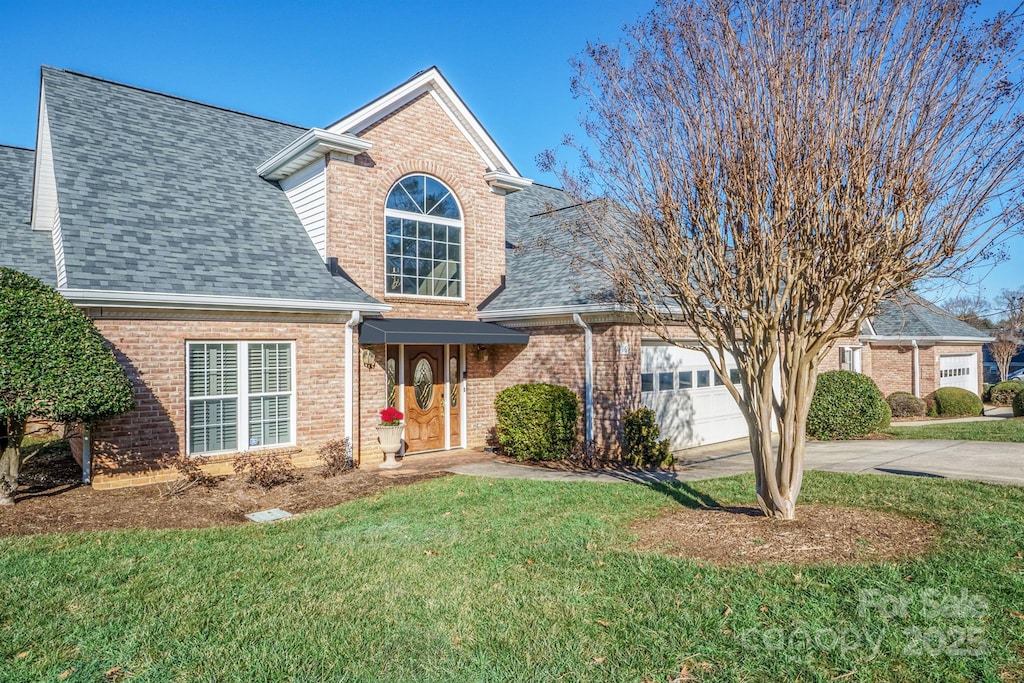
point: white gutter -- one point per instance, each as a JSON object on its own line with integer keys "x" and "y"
{"x": 350, "y": 377}
{"x": 550, "y": 311}
{"x": 588, "y": 378}
{"x": 933, "y": 340}
{"x": 307, "y": 148}
{"x": 210, "y": 302}
{"x": 917, "y": 368}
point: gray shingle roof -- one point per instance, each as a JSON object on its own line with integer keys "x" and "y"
{"x": 24, "y": 249}
{"x": 159, "y": 194}
{"x": 912, "y": 317}
{"x": 540, "y": 268}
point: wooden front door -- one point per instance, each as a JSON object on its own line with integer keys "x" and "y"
{"x": 424, "y": 398}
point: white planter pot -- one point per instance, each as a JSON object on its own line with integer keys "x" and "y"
{"x": 390, "y": 438}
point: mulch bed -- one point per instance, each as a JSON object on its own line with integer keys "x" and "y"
{"x": 51, "y": 498}
{"x": 742, "y": 535}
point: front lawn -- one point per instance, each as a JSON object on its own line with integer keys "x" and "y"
{"x": 463, "y": 579}
{"x": 1010, "y": 429}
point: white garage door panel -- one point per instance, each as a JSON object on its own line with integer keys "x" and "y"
{"x": 695, "y": 416}
{"x": 959, "y": 371}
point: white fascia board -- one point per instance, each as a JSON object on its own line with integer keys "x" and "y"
{"x": 551, "y": 311}
{"x": 932, "y": 340}
{"x": 506, "y": 182}
{"x": 430, "y": 80}
{"x": 208, "y": 302}
{"x": 307, "y": 148}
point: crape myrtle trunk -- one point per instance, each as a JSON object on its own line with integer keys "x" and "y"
{"x": 11, "y": 434}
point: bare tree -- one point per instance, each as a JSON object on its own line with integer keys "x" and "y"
{"x": 1007, "y": 344}
{"x": 1012, "y": 301}
{"x": 773, "y": 169}
{"x": 970, "y": 309}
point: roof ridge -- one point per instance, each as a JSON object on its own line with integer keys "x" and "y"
{"x": 179, "y": 98}
{"x": 19, "y": 147}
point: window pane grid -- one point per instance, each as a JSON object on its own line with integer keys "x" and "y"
{"x": 423, "y": 257}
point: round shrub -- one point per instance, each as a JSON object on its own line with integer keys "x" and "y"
{"x": 1003, "y": 393}
{"x": 905, "y": 404}
{"x": 957, "y": 402}
{"x": 642, "y": 445}
{"x": 537, "y": 421}
{"x": 1018, "y": 404}
{"x": 846, "y": 405}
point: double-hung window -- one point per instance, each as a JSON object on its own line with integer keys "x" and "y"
{"x": 241, "y": 395}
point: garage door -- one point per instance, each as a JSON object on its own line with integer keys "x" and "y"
{"x": 959, "y": 371}
{"x": 692, "y": 406}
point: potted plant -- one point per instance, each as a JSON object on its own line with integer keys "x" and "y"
{"x": 389, "y": 434}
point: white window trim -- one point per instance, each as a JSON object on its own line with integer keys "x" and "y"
{"x": 675, "y": 379}
{"x": 856, "y": 357}
{"x": 242, "y": 397}
{"x": 426, "y": 218}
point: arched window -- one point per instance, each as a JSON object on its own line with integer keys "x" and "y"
{"x": 423, "y": 239}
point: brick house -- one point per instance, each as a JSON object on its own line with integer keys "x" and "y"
{"x": 268, "y": 286}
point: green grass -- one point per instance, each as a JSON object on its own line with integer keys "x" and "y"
{"x": 1010, "y": 429}
{"x": 463, "y": 579}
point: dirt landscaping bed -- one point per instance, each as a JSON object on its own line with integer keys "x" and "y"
{"x": 742, "y": 535}
{"x": 51, "y": 498}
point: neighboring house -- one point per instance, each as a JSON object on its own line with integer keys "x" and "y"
{"x": 991, "y": 373}
{"x": 273, "y": 287}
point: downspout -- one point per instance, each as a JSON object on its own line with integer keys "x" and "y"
{"x": 917, "y": 369}
{"x": 588, "y": 378}
{"x": 86, "y": 455}
{"x": 350, "y": 380}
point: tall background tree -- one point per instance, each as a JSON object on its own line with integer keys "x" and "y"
{"x": 773, "y": 169}
{"x": 54, "y": 365}
{"x": 970, "y": 309}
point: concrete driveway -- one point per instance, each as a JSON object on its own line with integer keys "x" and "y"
{"x": 1000, "y": 463}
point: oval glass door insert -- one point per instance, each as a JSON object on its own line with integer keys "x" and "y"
{"x": 423, "y": 383}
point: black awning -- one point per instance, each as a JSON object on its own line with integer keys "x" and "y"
{"x": 425, "y": 331}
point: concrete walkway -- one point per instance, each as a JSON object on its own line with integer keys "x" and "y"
{"x": 1000, "y": 463}
{"x": 991, "y": 413}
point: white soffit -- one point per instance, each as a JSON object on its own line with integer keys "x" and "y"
{"x": 314, "y": 144}
{"x": 431, "y": 81}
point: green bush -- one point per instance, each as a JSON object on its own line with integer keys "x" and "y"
{"x": 957, "y": 402}
{"x": 846, "y": 405}
{"x": 986, "y": 392}
{"x": 1003, "y": 393}
{"x": 642, "y": 445}
{"x": 537, "y": 421}
{"x": 904, "y": 404}
{"x": 1018, "y": 404}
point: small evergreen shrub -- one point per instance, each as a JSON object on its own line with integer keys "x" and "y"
{"x": 957, "y": 402}
{"x": 905, "y": 404}
{"x": 1018, "y": 404}
{"x": 1002, "y": 394}
{"x": 642, "y": 445}
{"x": 537, "y": 421}
{"x": 929, "y": 405}
{"x": 846, "y": 405}
{"x": 986, "y": 392}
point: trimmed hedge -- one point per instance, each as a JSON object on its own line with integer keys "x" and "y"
{"x": 905, "y": 404}
{"x": 1018, "y": 405}
{"x": 537, "y": 421}
{"x": 846, "y": 405}
{"x": 642, "y": 445}
{"x": 1003, "y": 393}
{"x": 957, "y": 402}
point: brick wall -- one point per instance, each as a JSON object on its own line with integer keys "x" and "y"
{"x": 128, "y": 450}
{"x": 418, "y": 138}
{"x": 893, "y": 366}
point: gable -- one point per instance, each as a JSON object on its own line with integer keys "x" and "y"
{"x": 29, "y": 251}
{"x": 430, "y": 83}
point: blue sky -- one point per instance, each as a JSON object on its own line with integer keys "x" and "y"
{"x": 310, "y": 63}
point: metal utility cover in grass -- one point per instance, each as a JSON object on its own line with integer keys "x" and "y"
{"x": 271, "y": 515}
